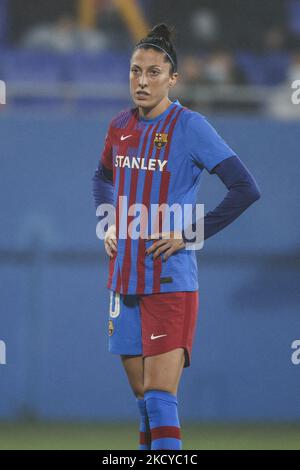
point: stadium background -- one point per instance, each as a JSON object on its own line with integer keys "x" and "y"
{"x": 65, "y": 64}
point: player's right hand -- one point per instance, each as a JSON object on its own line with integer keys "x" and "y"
{"x": 110, "y": 241}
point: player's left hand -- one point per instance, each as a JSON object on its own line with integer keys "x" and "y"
{"x": 168, "y": 243}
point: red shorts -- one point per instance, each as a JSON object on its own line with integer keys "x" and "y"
{"x": 168, "y": 322}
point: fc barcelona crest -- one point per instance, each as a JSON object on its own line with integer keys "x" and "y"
{"x": 160, "y": 140}
{"x": 110, "y": 327}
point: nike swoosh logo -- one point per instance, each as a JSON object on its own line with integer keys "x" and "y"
{"x": 155, "y": 337}
{"x": 123, "y": 137}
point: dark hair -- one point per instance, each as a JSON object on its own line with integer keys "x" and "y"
{"x": 160, "y": 37}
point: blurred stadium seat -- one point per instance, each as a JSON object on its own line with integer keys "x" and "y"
{"x": 47, "y": 78}
{"x": 108, "y": 67}
{"x": 19, "y": 65}
{"x": 259, "y": 69}
{"x": 102, "y": 74}
{"x": 33, "y": 77}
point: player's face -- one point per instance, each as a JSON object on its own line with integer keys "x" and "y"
{"x": 149, "y": 73}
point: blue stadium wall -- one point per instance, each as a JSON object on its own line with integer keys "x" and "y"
{"x": 53, "y": 271}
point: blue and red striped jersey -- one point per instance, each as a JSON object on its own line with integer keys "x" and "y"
{"x": 157, "y": 161}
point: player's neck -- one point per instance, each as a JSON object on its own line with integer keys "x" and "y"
{"x": 152, "y": 113}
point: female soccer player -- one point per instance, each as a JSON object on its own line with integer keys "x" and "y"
{"x": 154, "y": 154}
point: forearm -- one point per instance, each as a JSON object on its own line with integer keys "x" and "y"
{"x": 237, "y": 200}
{"x": 103, "y": 189}
{"x": 242, "y": 192}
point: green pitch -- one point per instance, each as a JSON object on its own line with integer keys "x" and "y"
{"x": 121, "y": 436}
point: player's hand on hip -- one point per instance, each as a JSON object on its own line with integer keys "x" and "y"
{"x": 168, "y": 243}
{"x": 110, "y": 241}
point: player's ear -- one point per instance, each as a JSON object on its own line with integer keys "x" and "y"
{"x": 173, "y": 79}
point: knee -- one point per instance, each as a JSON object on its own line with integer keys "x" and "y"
{"x": 159, "y": 387}
{"x": 138, "y": 392}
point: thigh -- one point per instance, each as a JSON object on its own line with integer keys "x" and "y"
{"x": 125, "y": 336}
{"x": 134, "y": 368}
{"x": 163, "y": 371}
